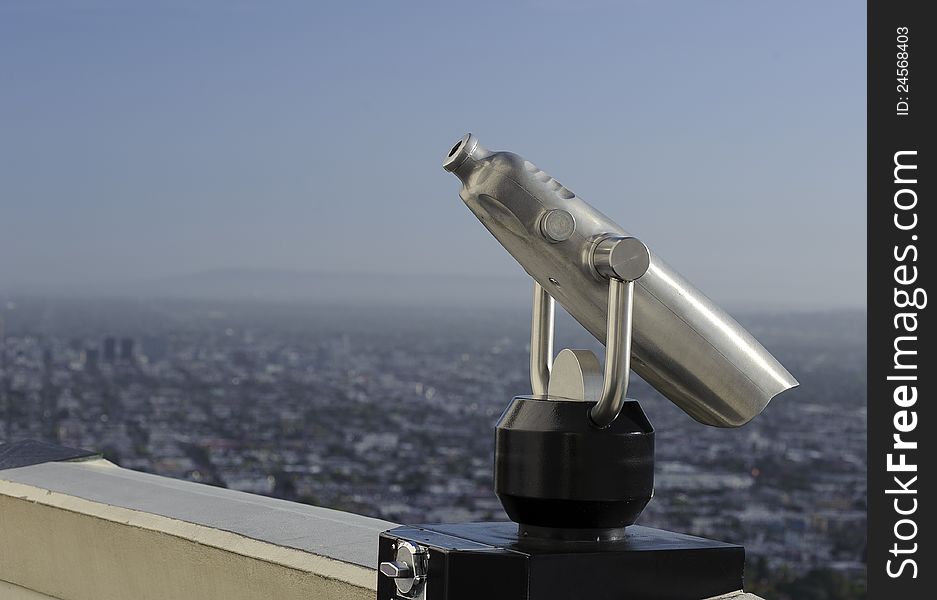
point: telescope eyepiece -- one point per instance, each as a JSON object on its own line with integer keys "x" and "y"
{"x": 465, "y": 148}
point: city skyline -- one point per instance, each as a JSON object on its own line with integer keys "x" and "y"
{"x": 310, "y": 405}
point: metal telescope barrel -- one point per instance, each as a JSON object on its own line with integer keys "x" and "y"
{"x": 684, "y": 345}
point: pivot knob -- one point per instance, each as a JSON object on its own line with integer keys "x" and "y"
{"x": 624, "y": 258}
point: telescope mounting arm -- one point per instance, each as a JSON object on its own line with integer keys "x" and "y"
{"x": 621, "y": 260}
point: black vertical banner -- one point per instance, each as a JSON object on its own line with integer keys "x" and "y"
{"x": 902, "y": 370}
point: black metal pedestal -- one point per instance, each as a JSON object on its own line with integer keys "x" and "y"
{"x": 555, "y": 470}
{"x": 491, "y": 561}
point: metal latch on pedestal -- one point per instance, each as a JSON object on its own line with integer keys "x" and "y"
{"x": 408, "y": 569}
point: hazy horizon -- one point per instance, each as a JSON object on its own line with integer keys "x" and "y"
{"x": 319, "y": 288}
{"x": 147, "y": 142}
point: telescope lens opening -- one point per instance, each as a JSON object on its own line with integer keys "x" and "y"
{"x": 455, "y": 148}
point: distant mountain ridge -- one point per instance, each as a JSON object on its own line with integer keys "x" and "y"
{"x": 358, "y": 289}
{"x": 307, "y": 286}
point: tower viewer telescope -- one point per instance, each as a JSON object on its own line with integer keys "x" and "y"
{"x": 684, "y": 345}
{"x": 574, "y": 461}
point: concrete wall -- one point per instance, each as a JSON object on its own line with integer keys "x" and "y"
{"x": 73, "y": 548}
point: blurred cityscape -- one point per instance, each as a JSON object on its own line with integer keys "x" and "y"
{"x": 390, "y": 412}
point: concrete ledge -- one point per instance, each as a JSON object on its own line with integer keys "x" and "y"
{"x": 89, "y": 530}
{"x": 70, "y": 547}
{"x": 8, "y": 591}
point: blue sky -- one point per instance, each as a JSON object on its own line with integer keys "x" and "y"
{"x": 148, "y": 139}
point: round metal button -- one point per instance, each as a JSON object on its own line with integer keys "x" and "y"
{"x": 557, "y": 225}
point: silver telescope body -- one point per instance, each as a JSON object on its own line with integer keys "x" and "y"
{"x": 684, "y": 345}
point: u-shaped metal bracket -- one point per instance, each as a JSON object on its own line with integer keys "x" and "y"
{"x": 541, "y": 340}
{"x": 621, "y": 261}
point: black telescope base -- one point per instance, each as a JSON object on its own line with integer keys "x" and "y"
{"x": 492, "y": 561}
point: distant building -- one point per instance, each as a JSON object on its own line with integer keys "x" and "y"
{"x": 90, "y": 357}
{"x": 110, "y": 349}
{"x": 126, "y": 349}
